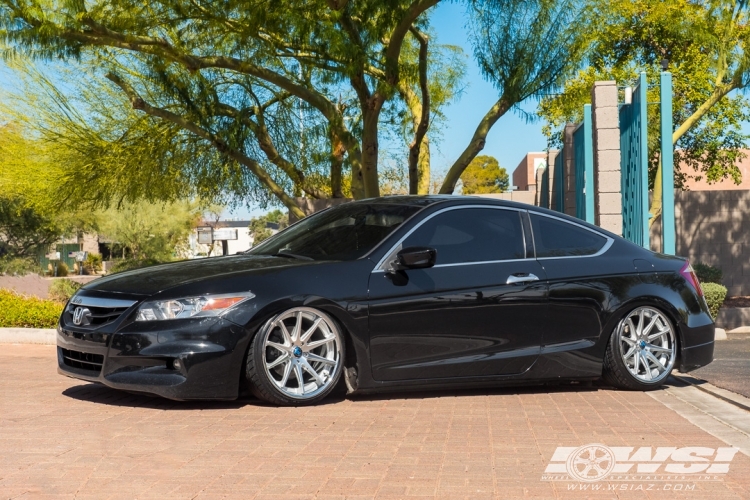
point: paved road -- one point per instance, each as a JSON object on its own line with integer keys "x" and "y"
{"x": 730, "y": 368}
{"x": 62, "y": 438}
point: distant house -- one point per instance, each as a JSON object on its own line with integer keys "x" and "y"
{"x": 243, "y": 242}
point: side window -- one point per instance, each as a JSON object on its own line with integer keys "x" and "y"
{"x": 556, "y": 238}
{"x": 471, "y": 235}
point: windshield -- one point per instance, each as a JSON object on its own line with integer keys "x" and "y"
{"x": 346, "y": 232}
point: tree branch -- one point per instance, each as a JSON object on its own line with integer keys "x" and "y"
{"x": 420, "y": 111}
{"x": 138, "y": 103}
{"x": 475, "y": 145}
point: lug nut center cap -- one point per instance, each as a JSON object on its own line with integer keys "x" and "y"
{"x": 297, "y": 351}
{"x": 642, "y": 344}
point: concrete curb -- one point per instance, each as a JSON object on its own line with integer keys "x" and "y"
{"x": 47, "y": 336}
{"x": 720, "y": 334}
{"x": 733, "y": 317}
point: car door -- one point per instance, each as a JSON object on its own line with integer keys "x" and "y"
{"x": 476, "y": 313}
{"x": 580, "y": 279}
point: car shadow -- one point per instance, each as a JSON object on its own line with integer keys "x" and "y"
{"x": 100, "y": 394}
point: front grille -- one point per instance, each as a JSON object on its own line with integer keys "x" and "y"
{"x": 83, "y": 360}
{"x": 96, "y": 312}
{"x": 100, "y": 315}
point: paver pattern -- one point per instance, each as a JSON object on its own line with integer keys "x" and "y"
{"x": 62, "y": 438}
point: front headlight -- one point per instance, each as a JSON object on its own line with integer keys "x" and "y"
{"x": 190, "y": 307}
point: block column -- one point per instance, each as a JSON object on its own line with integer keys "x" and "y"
{"x": 607, "y": 176}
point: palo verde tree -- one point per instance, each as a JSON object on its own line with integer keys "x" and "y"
{"x": 269, "y": 99}
{"x": 704, "y": 45}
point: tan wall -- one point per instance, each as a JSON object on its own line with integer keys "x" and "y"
{"x": 713, "y": 227}
{"x": 726, "y": 184}
{"x": 528, "y": 197}
{"x": 524, "y": 175}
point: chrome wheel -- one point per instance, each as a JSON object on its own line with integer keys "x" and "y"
{"x": 647, "y": 344}
{"x": 302, "y": 352}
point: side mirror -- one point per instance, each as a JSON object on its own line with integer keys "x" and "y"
{"x": 416, "y": 258}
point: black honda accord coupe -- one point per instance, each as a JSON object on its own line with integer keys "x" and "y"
{"x": 394, "y": 293}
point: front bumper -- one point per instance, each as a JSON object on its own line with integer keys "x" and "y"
{"x": 140, "y": 357}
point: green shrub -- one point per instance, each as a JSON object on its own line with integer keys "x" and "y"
{"x": 715, "y": 295}
{"x": 18, "y": 266}
{"x": 61, "y": 290}
{"x": 62, "y": 269}
{"x": 20, "y": 311}
{"x": 93, "y": 263}
{"x": 707, "y": 273}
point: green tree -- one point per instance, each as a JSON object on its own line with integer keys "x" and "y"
{"x": 484, "y": 175}
{"x": 266, "y": 100}
{"x": 704, "y": 45}
{"x": 258, "y": 225}
{"x": 30, "y": 214}
{"x": 150, "y": 231}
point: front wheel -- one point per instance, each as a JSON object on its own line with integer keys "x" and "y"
{"x": 642, "y": 350}
{"x": 296, "y": 358}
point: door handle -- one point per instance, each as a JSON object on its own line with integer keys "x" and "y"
{"x": 514, "y": 279}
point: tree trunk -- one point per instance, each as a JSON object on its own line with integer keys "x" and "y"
{"x": 475, "y": 145}
{"x": 370, "y": 115}
{"x": 337, "y": 161}
{"x": 423, "y": 173}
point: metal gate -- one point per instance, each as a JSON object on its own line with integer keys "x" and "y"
{"x": 634, "y": 165}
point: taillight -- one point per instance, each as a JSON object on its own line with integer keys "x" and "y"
{"x": 689, "y": 274}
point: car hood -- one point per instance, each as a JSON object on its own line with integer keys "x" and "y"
{"x": 151, "y": 280}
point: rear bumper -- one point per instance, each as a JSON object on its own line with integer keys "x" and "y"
{"x": 140, "y": 358}
{"x": 697, "y": 347}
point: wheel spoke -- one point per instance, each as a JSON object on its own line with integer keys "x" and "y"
{"x": 651, "y": 324}
{"x": 309, "y": 333}
{"x": 309, "y": 369}
{"x": 657, "y": 334}
{"x": 296, "y": 332}
{"x": 658, "y": 365}
{"x": 300, "y": 380}
{"x": 652, "y": 347}
{"x": 320, "y": 359}
{"x": 317, "y": 343}
{"x": 287, "y": 372}
{"x": 278, "y": 347}
{"x": 277, "y": 361}
{"x": 641, "y": 315}
{"x": 636, "y": 364}
{"x": 285, "y": 333}
{"x": 628, "y": 340}
{"x": 628, "y": 354}
{"x": 646, "y": 366}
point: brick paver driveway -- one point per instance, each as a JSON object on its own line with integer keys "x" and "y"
{"x": 63, "y": 438}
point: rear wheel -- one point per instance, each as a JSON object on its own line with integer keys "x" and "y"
{"x": 642, "y": 350}
{"x": 296, "y": 358}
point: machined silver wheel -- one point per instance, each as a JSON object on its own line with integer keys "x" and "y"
{"x": 302, "y": 353}
{"x": 647, "y": 344}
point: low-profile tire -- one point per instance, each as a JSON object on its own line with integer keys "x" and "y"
{"x": 296, "y": 358}
{"x": 642, "y": 350}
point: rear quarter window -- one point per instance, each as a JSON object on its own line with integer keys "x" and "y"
{"x": 557, "y": 238}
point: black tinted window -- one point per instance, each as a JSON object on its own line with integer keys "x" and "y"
{"x": 555, "y": 238}
{"x": 346, "y": 232}
{"x": 471, "y": 235}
